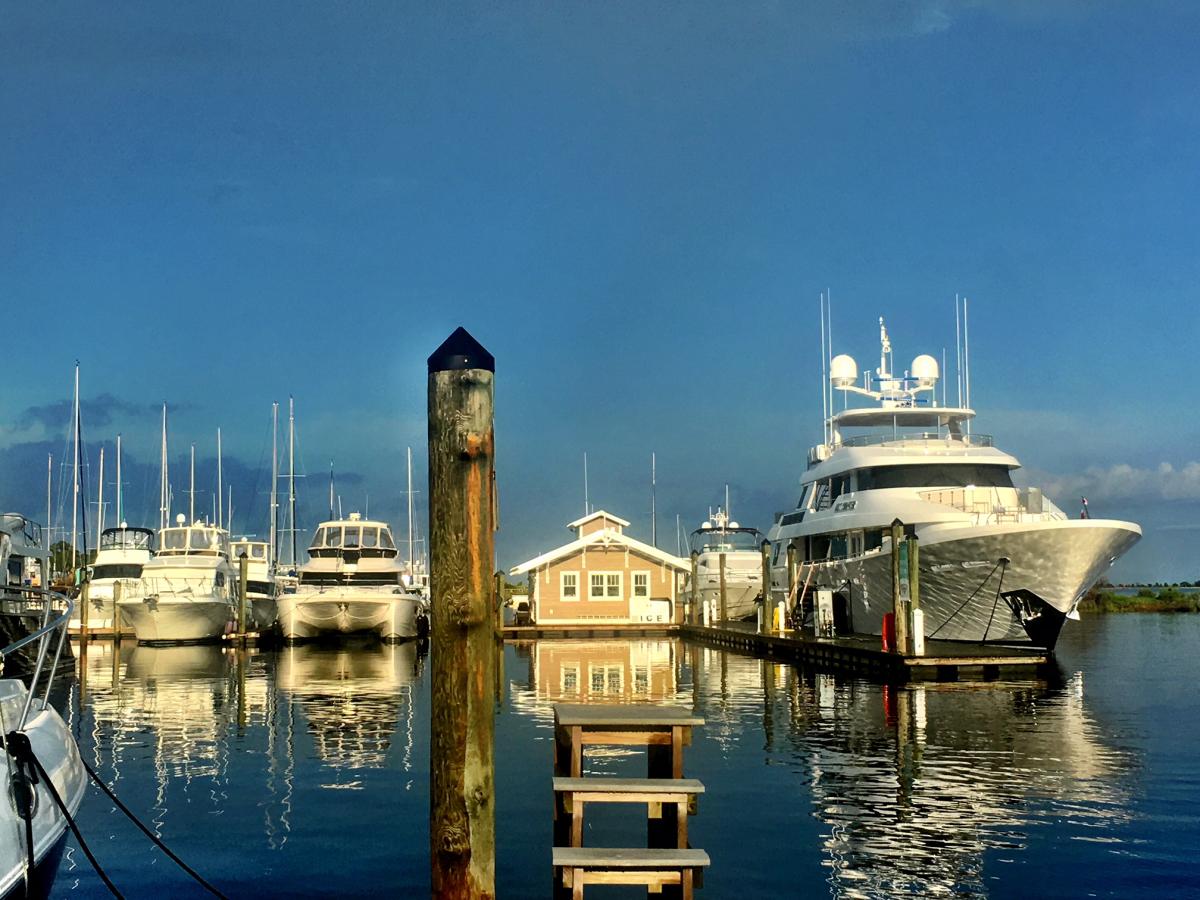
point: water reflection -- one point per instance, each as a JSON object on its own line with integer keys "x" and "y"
{"x": 913, "y": 786}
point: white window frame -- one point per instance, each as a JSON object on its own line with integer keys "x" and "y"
{"x": 604, "y": 595}
{"x": 574, "y": 668}
{"x": 606, "y": 669}
{"x": 562, "y": 586}
{"x": 634, "y": 585}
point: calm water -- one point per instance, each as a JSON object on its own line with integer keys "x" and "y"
{"x": 304, "y": 770}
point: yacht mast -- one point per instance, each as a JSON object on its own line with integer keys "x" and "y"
{"x": 274, "y": 481}
{"x": 653, "y": 502}
{"x": 192, "y": 489}
{"x": 49, "y": 480}
{"x": 411, "y": 567}
{"x": 100, "y": 500}
{"x": 120, "y": 489}
{"x": 292, "y": 474}
{"x": 75, "y": 490}
{"x": 331, "y": 489}
{"x": 164, "y": 499}
{"x": 220, "y": 485}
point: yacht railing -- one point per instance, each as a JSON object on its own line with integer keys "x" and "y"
{"x": 56, "y": 611}
{"x": 989, "y": 507}
{"x": 940, "y": 439}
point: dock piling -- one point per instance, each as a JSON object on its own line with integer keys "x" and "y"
{"x": 243, "y": 587}
{"x": 461, "y": 521}
{"x": 695, "y": 616}
{"x": 724, "y": 608}
{"x": 764, "y": 617}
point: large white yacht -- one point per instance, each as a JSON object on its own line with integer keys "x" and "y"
{"x": 352, "y": 582}
{"x": 188, "y": 587}
{"x": 119, "y": 560}
{"x": 261, "y": 588}
{"x": 719, "y": 536}
{"x": 996, "y": 563}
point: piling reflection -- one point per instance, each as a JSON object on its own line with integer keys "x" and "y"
{"x": 913, "y": 785}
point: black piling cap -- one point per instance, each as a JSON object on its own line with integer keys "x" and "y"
{"x": 461, "y": 351}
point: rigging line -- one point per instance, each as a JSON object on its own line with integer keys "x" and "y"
{"x": 965, "y": 602}
{"x": 146, "y": 831}
{"x": 999, "y": 587}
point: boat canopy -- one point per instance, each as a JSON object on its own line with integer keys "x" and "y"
{"x": 904, "y": 417}
{"x": 194, "y": 539}
{"x": 333, "y": 537}
{"x": 125, "y": 538}
{"x": 252, "y": 549}
{"x": 730, "y": 539}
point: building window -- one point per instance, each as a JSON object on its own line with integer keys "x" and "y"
{"x": 569, "y": 584}
{"x": 570, "y": 679}
{"x": 604, "y": 586}
{"x": 607, "y": 679}
{"x": 641, "y": 584}
{"x": 641, "y": 679}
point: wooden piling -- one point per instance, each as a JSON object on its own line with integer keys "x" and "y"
{"x": 764, "y": 622}
{"x": 695, "y": 616}
{"x": 84, "y": 603}
{"x": 724, "y": 610}
{"x": 461, "y": 518}
{"x": 899, "y": 587}
{"x": 914, "y": 596}
{"x": 118, "y": 593}
{"x": 243, "y": 587}
{"x": 792, "y": 596}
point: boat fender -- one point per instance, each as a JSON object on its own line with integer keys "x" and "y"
{"x": 23, "y": 785}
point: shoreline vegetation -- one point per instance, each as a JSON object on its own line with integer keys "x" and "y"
{"x": 1102, "y": 599}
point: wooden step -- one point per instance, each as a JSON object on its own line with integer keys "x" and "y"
{"x": 647, "y": 786}
{"x": 581, "y": 866}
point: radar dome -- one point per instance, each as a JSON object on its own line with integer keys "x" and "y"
{"x": 843, "y": 371}
{"x": 925, "y": 370}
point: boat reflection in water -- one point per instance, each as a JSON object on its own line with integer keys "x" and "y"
{"x": 353, "y": 696}
{"x": 914, "y": 785}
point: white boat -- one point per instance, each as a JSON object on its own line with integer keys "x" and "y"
{"x": 352, "y": 582}
{"x": 742, "y": 549}
{"x": 996, "y": 562}
{"x": 28, "y": 867}
{"x": 261, "y": 588}
{"x": 119, "y": 560}
{"x": 188, "y": 587}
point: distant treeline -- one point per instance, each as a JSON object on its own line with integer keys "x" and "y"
{"x": 1101, "y": 599}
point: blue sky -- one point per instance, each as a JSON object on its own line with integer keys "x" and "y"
{"x": 634, "y": 207}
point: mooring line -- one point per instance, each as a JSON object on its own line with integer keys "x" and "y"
{"x": 963, "y": 605}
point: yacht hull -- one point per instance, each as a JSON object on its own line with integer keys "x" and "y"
{"x": 103, "y": 612}
{"x": 307, "y": 614}
{"x": 1002, "y": 583}
{"x": 166, "y": 618}
{"x": 58, "y": 754}
{"x": 263, "y": 612}
{"x": 741, "y": 597}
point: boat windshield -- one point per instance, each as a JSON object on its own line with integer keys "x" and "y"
{"x": 191, "y": 540}
{"x": 252, "y": 549}
{"x": 117, "y": 570}
{"x": 725, "y": 540}
{"x": 370, "y": 537}
{"x": 385, "y": 539}
{"x": 127, "y": 539}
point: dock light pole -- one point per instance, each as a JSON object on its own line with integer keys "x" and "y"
{"x": 462, "y": 826}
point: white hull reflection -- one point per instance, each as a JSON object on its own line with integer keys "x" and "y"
{"x": 309, "y": 613}
{"x": 168, "y": 618}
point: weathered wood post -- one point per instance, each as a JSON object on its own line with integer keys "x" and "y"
{"x": 118, "y": 593}
{"x": 694, "y": 612}
{"x": 900, "y": 587}
{"x": 916, "y": 630}
{"x": 85, "y": 600}
{"x": 764, "y": 622}
{"x": 498, "y": 601}
{"x": 792, "y": 597}
{"x": 724, "y": 609}
{"x": 462, "y": 826}
{"x": 243, "y": 587}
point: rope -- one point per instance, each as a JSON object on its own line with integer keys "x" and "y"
{"x": 17, "y": 743}
{"x": 999, "y": 587}
{"x": 965, "y": 602}
{"x": 146, "y": 831}
{"x": 22, "y": 803}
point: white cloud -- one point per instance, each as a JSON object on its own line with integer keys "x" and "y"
{"x": 1125, "y": 482}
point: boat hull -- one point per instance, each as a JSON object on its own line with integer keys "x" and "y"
{"x": 1004, "y": 583}
{"x": 263, "y": 612}
{"x": 166, "y": 618}
{"x": 53, "y": 746}
{"x": 103, "y": 612}
{"x": 307, "y": 614}
{"x": 741, "y": 598}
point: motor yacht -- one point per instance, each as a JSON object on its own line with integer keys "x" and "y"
{"x": 117, "y": 570}
{"x": 261, "y": 588}
{"x": 352, "y": 582}
{"x": 742, "y": 551}
{"x": 188, "y": 587}
{"x": 997, "y": 562}
{"x": 31, "y": 851}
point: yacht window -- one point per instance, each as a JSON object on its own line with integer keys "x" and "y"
{"x": 199, "y": 539}
{"x": 319, "y": 538}
{"x": 874, "y": 540}
{"x": 220, "y": 579}
{"x": 385, "y": 539}
{"x": 838, "y": 546}
{"x": 805, "y": 497}
{"x": 840, "y": 484}
{"x": 117, "y": 570}
{"x": 934, "y": 475}
{"x": 258, "y": 551}
{"x": 174, "y": 539}
{"x": 333, "y": 537}
{"x": 352, "y": 536}
{"x": 370, "y": 537}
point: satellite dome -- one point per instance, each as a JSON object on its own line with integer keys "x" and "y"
{"x": 843, "y": 371}
{"x": 925, "y": 370}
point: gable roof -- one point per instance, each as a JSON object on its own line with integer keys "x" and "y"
{"x": 606, "y": 537}
{"x": 596, "y": 515}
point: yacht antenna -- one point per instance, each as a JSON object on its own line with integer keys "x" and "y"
{"x": 49, "y": 481}
{"x": 229, "y": 510}
{"x": 824, "y": 391}
{"x": 75, "y": 494}
{"x": 727, "y": 514}
{"x": 192, "y": 488}
{"x": 967, "y": 360}
{"x": 274, "y": 548}
{"x": 678, "y": 537}
{"x": 331, "y": 489}
{"x": 220, "y": 485}
{"x": 585, "y": 484}
{"x": 958, "y": 350}
{"x": 943, "y": 380}
{"x": 411, "y": 568}
{"x": 339, "y": 506}
{"x": 292, "y": 473}
{"x": 120, "y": 487}
{"x": 100, "y": 499}
{"x": 885, "y": 351}
{"x": 829, "y": 352}
{"x": 653, "y": 502}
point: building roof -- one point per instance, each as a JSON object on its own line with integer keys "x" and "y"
{"x": 597, "y": 515}
{"x": 606, "y": 537}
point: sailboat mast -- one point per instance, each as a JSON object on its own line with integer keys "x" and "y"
{"x": 411, "y": 562}
{"x": 653, "y": 502}
{"x": 100, "y": 500}
{"x": 49, "y": 481}
{"x": 192, "y": 489}
{"x": 75, "y": 490}
{"x": 331, "y": 489}
{"x": 292, "y": 474}
{"x": 274, "y": 481}
{"x": 163, "y": 491}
